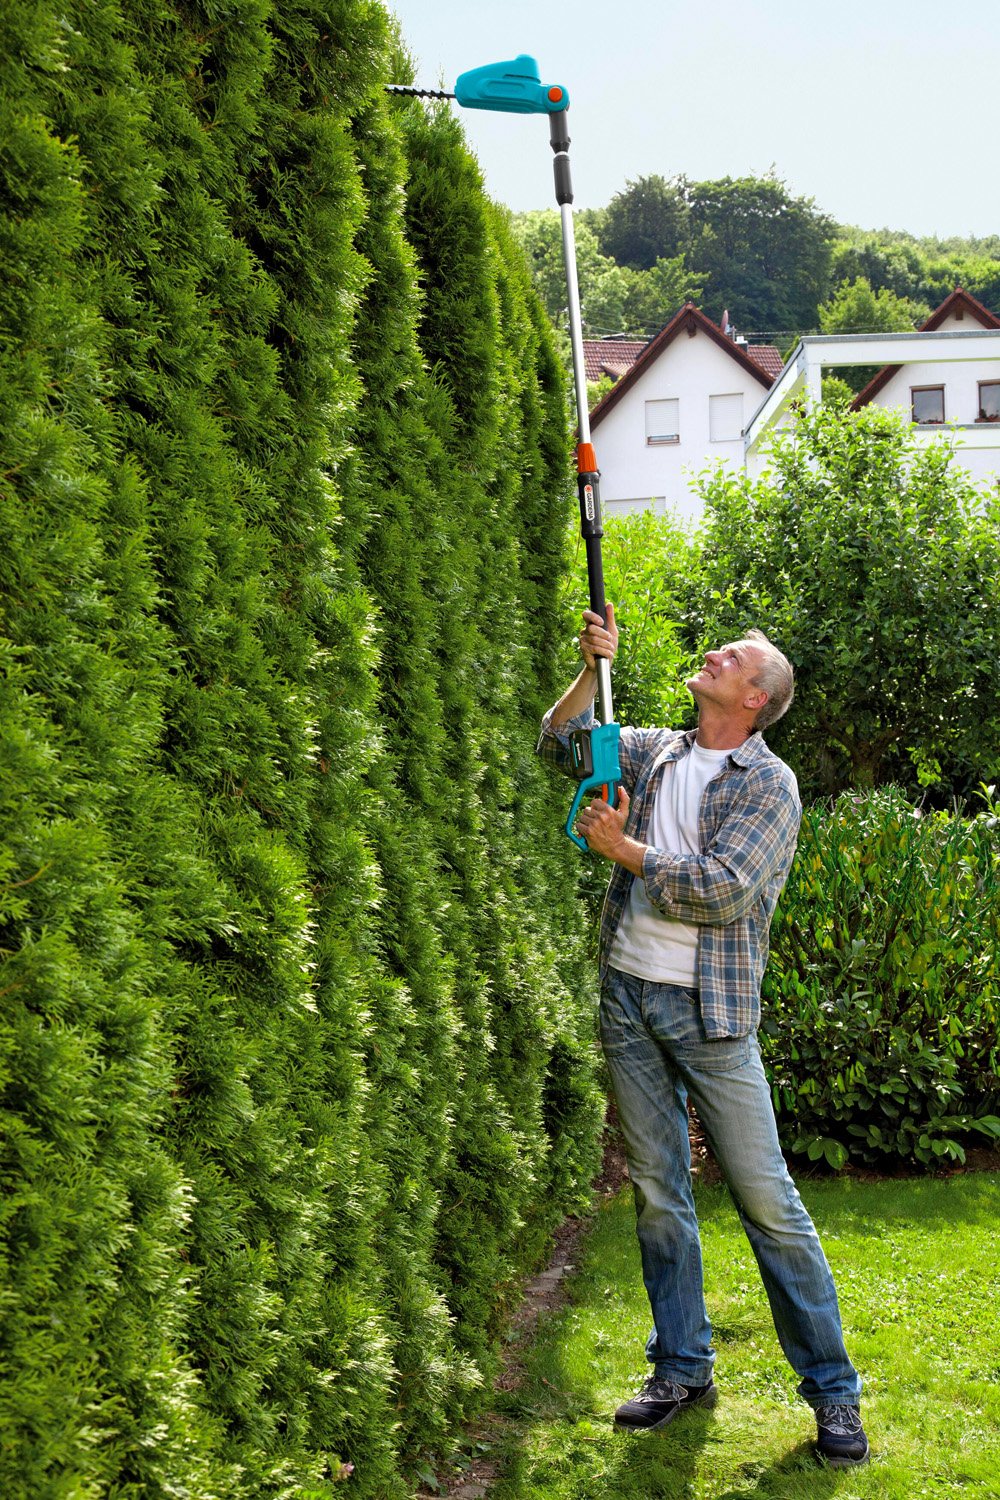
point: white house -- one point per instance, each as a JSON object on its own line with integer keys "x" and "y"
{"x": 964, "y": 392}
{"x": 679, "y": 408}
{"x": 946, "y": 376}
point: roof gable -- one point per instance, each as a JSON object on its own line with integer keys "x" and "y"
{"x": 689, "y": 319}
{"x": 956, "y": 304}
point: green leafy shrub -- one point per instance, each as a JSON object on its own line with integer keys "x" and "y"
{"x": 872, "y": 561}
{"x": 649, "y": 564}
{"x": 882, "y": 995}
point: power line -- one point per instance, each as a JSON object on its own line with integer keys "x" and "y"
{"x": 760, "y": 335}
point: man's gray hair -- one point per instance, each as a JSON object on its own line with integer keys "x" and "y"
{"x": 775, "y": 676}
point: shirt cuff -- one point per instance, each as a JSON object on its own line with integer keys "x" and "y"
{"x": 658, "y": 897}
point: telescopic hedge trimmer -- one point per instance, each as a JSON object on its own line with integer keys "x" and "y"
{"x": 515, "y": 87}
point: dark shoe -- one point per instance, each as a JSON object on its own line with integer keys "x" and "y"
{"x": 841, "y": 1438}
{"x": 660, "y": 1401}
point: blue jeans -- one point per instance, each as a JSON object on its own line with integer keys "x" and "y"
{"x": 658, "y": 1054}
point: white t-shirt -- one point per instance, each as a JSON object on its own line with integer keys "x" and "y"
{"x": 647, "y": 943}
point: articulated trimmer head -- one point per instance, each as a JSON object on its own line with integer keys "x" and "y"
{"x": 515, "y": 87}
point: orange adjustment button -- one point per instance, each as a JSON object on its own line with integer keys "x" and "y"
{"x": 555, "y": 94}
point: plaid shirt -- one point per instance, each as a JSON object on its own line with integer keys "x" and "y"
{"x": 747, "y": 822}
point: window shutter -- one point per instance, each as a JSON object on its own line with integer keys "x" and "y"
{"x": 725, "y": 417}
{"x": 663, "y": 421}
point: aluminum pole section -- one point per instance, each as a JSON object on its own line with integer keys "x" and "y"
{"x": 575, "y": 322}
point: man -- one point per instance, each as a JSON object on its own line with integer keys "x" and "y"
{"x": 702, "y": 840}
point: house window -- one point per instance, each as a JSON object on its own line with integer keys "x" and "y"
{"x": 663, "y": 421}
{"x": 725, "y": 417}
{"x": 989, "y": 401}
{"x": 927, "y": 403}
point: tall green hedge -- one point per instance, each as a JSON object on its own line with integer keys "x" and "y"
{"x": 297, "y": 1070}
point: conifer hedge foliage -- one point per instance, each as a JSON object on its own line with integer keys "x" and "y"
{"x": 296, "y": 1063}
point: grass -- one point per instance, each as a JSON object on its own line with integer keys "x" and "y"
{"x": 916, "y": 1266}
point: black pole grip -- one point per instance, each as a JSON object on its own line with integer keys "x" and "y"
{"x": 595, "y": 577}
{"x": 559, "y": 130}
{"x": 592, "y": 529}
{"x": 590, "y": 504}
{"x": 559, "y": 138}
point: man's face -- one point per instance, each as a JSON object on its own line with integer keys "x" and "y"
{"x": 727, "y": 678}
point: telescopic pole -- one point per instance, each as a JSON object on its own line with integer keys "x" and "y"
{"x": 588, "y": 479}
{"x": 515, "y": 87}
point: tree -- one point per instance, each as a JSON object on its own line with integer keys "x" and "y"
{"x": 613, "y": 298}
{"x": 980, "y": 275}
{"x": 896, "y": 265}
{"x": 604, "y": 286}
{"x": 765, "y": 255}
{"x": 652, "y": 297}
{"x": 837, "y": 392}
{"x": 855, "y": 308}
{"x": 924, "y": 270}
{"x": 872, "y": 561}
{"x": 598, "y": 389}
{"x": 645, "y": 222}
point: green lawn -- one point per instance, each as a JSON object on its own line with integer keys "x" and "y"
{"x": 916, "y": 1264}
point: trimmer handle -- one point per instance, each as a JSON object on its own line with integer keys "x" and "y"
{"x": 595, "y": 758}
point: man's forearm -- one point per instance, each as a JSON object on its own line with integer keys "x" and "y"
{"x": 576, "y": 698}
{"x": 630, "y": 853}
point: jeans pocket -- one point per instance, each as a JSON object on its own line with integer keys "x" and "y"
{"x": 725, "y": 1054}
{"x": 618, "y": 1017}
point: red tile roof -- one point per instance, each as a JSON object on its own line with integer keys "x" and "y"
{"x": 614, "y": 356}
{"x": 959, "y": 301}
{"x": 768, "y": 357}
{"x": 610, "y": 356}
{"x": 693, "y": 320}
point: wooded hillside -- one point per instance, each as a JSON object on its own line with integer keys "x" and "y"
{"x": 747, "y": 246}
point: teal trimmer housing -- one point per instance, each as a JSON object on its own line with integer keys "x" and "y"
{"x": 594, "y": 758}
{"x": 513, "y": 87}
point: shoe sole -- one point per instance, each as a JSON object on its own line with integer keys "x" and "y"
{"x": 706, "y": 1401}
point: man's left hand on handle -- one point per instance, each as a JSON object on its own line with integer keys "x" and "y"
{"x": 603, "y": 826}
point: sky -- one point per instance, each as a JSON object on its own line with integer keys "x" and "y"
{"x": 885, "y": 112}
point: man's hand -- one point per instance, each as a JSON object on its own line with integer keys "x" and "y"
{"x": 603, "y": 826}
{"x": 597, "y": 638}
